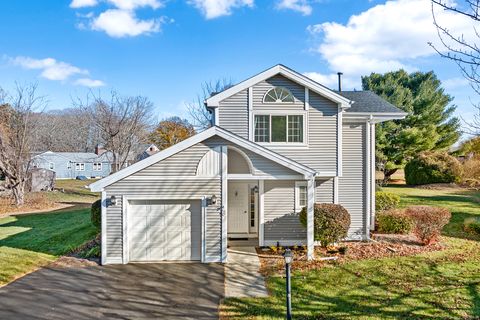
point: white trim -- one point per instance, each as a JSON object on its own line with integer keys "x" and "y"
{"x": 114, "y": 260}
{"x": 374, "y": 116}
{"x": 224, "y": 209}
{"x": 310, "y": 222}
{"x": 179, "y": 177}
{"x": 103, "y": 221}
{"x": 239, "y": 176}
{"x": 204, "y": 228}
{"x": 286, "y": 72}
{"x": 307, "y": 99}
{"x": 339, "y": 142}
{"x": 126, "y": 253}
{"x": 261, "y": 214}
{"x": 278, "y": 102}
{"x": 250, "y": 113}
{"x": 216, "y": 116}
{"x": 285, "y": 113}
{"x": 299, "y": 184}
{"x": 372, "y": 180}
{"x": 367, "y": 177}
{"x": 284, "y": 242}
{"x": 81, "y": 166}
{"x": 335, "y": 189}
{"x": 254, "y": 147}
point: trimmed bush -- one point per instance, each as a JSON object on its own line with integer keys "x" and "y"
{"x": 96, "y": 214}
{"x": 331, "y": 222}
{"x": 472, "y": 225}
{"x": 386, "y": 200}
{"x": 394, "y": 221}
{"x": 428, "y": 222}
{"x": 433, "y": 167}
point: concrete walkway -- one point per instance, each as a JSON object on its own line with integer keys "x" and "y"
{"x": 242, "y": 276}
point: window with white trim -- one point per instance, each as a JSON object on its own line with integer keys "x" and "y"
{"x": 278, "y": 95}
{"x": 51, "y": 166}
{"x": 97, "y": 166}
{"x": 279, "y": 128}
{"x": 79, "y": 166}
{"x": 301, "y": 195}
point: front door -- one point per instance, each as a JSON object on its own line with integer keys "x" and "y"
{"x": 238, "y": 218}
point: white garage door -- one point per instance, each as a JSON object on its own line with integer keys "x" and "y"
{"x": 164, "y": 230}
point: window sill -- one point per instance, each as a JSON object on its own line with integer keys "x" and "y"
{"x": 282, "y": 145}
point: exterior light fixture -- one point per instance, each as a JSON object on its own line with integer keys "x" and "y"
{"x": 113, "y": 201}
{"x": 288, "y": 256}
{"x": 255, "y": 189}
{"x": 213, "y": 199}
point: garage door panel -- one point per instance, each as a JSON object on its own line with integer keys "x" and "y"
{"x": 163, "y": 230}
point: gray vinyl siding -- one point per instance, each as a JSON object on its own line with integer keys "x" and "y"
{"x": 352, "y": 188}
{"x": 324, "y": 191}
{"x": 233, "y": 114}
{"x": 114, "y": 237}
{"x": 261, "y": 88}
{"x": 281, "y": 221}
{"x": 261, "y": 165}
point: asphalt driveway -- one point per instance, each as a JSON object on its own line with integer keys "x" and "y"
{"x": 134, "y": 291}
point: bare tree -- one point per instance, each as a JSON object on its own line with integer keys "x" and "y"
{"x": 201, "y": 118}
{"x": 121, "y": 122}
{"x": 465, "y": 52}
{"x": 17, "y": 129}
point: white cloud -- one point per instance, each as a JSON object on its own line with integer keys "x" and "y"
{"x": 385, "y": 37}
{"x": 122, "y": 23}
{"x": 91, "y": 83}
{"x": 216, "y": 8}
{"x": 51, "y": 69}
{"x": 301, "y": 6}
{"x": 455, "y": 83}
{"x": 83, "y": 3}
{"x": 134, "y": 4}
{"x": 330, "y": 80}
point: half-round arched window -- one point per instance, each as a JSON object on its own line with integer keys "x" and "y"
{"x": 278, "y": 95}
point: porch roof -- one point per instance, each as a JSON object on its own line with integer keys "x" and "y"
{"x": 214, "y": 131}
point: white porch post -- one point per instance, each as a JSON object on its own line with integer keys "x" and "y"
{"x": 103, "y": 242}
{"x": 224, "y": 210}
{"x": 310, "y": 229}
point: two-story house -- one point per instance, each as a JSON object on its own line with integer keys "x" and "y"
{"x": 279, "y": 142}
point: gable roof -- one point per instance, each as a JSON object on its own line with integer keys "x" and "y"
{"x": 214, "y": 101}
{"x": 213, "y": 131}
{"x": 370, "y": 102}
{"x": 77, "y": 156}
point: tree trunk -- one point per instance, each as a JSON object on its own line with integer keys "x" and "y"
{"x": 387, "y": 174}
{"x": 18, "y": 191}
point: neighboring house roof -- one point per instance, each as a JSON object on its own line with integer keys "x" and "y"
{"x": 77, "y": 156}
{"x": 369, "y": 102}
{"x": 214, "y": 101}
{"x": 214, "y": 131}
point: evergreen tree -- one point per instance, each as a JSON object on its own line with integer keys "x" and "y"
{"x": 429, "y": 125}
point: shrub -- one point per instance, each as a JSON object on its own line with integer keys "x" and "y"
{"x": 96, "y": 214}
{"x": 386, "y": 200}
{"x": 331, "y": 222}
{"x": 394, "y": 221}
{"x": 472, "y": 225}
{"x": 433, "y": 167}
{"x": 471, "y": 171}
{"x": 428, "y": 222}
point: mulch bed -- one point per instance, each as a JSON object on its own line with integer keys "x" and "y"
{"x": 381, "y": 246}
{"x": 74, "y": 259}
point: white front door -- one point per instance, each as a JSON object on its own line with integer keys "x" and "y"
{"x": 238, "y": 218}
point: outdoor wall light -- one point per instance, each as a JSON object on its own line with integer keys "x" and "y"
{"x": 213, "y": 200}
{"x": 255, "y": 189}
{"x": 288, "y": 256}
{"x": 113, "y": 201}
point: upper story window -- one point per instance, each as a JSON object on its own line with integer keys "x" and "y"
{"x": 79, "y": 166}
{"x": 279, "y": 128}
{"x": 278, "y": 95}
{"x": 97, "y": 166}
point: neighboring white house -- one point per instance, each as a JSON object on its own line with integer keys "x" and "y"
{"x": 279, "y": 142}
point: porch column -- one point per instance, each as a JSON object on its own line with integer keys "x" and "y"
{"x": 224, "y": 209}
{"x": 310, "y": 229}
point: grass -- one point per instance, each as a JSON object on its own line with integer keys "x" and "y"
{"x": 436, "y": 285}
{"x": 28, "y": 242}
{"x": 74, "y": 191}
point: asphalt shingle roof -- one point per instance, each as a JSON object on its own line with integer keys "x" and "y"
{"x": 368, "y": 101}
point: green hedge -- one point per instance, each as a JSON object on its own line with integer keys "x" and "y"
{"x": 394, "y": 221}
{"x": 331, "y": 222}
{"x": 433, "y": 167}
{"x": 386, "y": 200}
{"x": 96, "y": 214}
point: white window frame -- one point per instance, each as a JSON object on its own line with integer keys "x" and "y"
{"x": 278, "y": 102}
{"x": 97, "y": 166}
{"x": 302, "y": 113}
{"x": 51, "y": 166}
{"x": 79, "y": 166}
{"x": 299, "y": 184}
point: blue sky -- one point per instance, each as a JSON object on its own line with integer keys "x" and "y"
{"x": 166, "y": 49}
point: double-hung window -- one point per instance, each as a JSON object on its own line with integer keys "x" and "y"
{"x": 97, "y": 166}
{"x": 279, "y": 128}
{"x": 300, "y": 195}
{"x": 79, "y": 166}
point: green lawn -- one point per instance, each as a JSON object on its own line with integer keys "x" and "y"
{"x": 31, "y": 241}
{"x": 438, "y": 285}
{"x": 75, "y": 191}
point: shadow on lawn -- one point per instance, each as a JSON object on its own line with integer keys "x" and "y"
{"x": 385, "y": 296}
{"x": 56, "y": 232}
